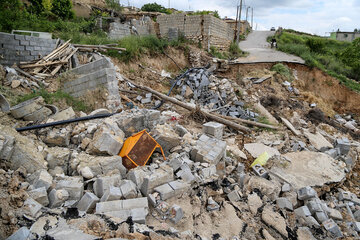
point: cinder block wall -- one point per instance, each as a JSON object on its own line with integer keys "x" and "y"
{"x": 19, "y": 48}
{"x": 198, "y": 27}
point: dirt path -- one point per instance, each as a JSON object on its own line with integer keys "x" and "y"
{"x": 260, "y": 50}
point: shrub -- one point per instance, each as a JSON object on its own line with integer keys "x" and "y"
{"x": 351, "y": 57}
{"x": 154, "y": 7}
{"x": 282, "y": 70}
{"x": 316, "y": 45}
{"x": 63, "y": 9}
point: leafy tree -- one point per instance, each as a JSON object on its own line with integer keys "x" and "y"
{"x": 63, "y": 9}
{"x": 10, "y": 13}
{"x": 316, "y": 45}
{"x": 154, "y": 7}
{"x": 351, "y": 57}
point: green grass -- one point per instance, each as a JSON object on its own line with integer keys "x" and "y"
{"x": 51, "y": 98}
{"x": 233, "y": 52}
{"x": 283, "y": 70}
{"x": 325, "y": 54}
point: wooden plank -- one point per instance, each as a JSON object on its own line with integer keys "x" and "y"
{"x": 42, "y": 64}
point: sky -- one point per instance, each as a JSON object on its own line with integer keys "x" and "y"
{"x": 313, "y": 16}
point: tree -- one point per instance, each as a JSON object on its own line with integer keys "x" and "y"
{"x": 351, "y": 57}
{"x": 154, "y": 7}
{"x": 63, "y": 9}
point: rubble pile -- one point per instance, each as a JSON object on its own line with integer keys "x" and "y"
{"x": 203, "y": 88}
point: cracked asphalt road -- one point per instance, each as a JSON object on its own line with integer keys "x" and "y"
{"x": 260, "y": 50}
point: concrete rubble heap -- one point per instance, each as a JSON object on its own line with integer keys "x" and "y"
{"x": 203, "y": 88}
{"x": 69, "y": 182}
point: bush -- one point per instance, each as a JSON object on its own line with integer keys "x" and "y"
{"x": 154, "y": 7}
{"x": 63, "y": 9}
{"x": 283, "y": 71}
{"x": 235, "y": 51}
{"x": 351, "y": 57}
{"x": 214, "y": 13}
{"x": 316, "y": 45}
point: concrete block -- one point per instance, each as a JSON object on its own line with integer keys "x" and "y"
{"x": 214, "y": 129}
{"x": 102, "y": 184}
{"x": 286, "y": 187}
{"x": 87, "y": 202}
{"x": 137, "y": 175}
{"x": 57, "y": 197}
{"x": 208, "y": 172}
{"x": 357, "y": 215}
{"x": 333, "y": 228}
{"x": 284, "y": 203}
{"x": 73, "y": 185}
{"x": 41, "y": 178}
{"x": 260, "y": 171}
{"x": 302, "y": 211}
{"x": 111, "y": 206}
{"x": 179, "y": 186}
{"x": 40, "y": 195}
{"x": 175, "y": 214}
{"x": 344, "y": 145}
{"x": 31, "y": 207}
{"x": 185, "y": 174}
{"x": 165, "y": 191}
{"x": 321, "y": 216}
{"x": 111, "y": 194}
{"x": 311, "y": 221}
{"x": 21, "y": 234}
{"x": 157, "y": 178}
{"x": 138, "y": 215}
{"x": 306, "y": 193}
{"x": 314, "y": 205}
{"x": 128, "y": 189}
{"x": 135, "y": 203}
{"x": 335, "y": 214}
{"x": 209, "y": 150}
{"x": 234, "y": 196}
{"x": 106, "y": 143}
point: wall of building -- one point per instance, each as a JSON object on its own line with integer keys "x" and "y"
{"x": 19, "y": 48}
{"x": 119, "y": 30}
{"x": 349, "y": 36}
{"x": 207, "y": 29}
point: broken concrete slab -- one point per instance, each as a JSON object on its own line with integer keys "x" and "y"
{"x": 24, "y": 152}
{"x": 317, "y": 140}
{"x": 40, "y": 195}
{"x": 112, "y": 206}
{"x": 68, "y": 232}
{"x": 263, "y": 111}
{"x": 208, "y": 150}
{"x": 102, "y": 184}
{"x": 40, "y": 178}
{"x": 63, "y": 115}
{"x": 291, "y": 127}
{"x": 104, "y": 142}
{"x": 309, "y": 169}
{"x": 275, "y": 220}
{"x": 128, "y": 189}
{"x": 256, "y": 149}
{"x": 269, "y": 188}
{"x": 58, "y": 157}
{"x": 21, "y": 234}
{"x": 138, "y": 215}
{"x": 111, "y": 194}
{"x": 166, "y": 137}
{"x": 31, "y": 207}
{"x": 157, "y": 178}
{"x": 43, "y": 224}
{"x": 73, "y": 185}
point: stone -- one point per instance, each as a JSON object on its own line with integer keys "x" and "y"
{"x": 357, "y": 226}
{"x": 314, "y": 206}
{"x": 166, "y": 137}
{"x": 63, "y": 115}
{"x": 41, "y": 178}
{"x": 175, "y": 214}
{"x": 4, "y": 104}
{"x": 27, "y": 107}
{"x": 21, "y": 234}
{"x": 31, "y": 207}
{"x": 57, "y": 197}
{"x": 318, "y": 140}
{"x": 68, "y": 232}
{"x": 128, "y": 189}
{"x": 269, "y": 188}
{"x": 333, "y": 228}
{"x": 254, "y": 203}
{"x": 214, "y": 129}
{"x": 267, "y": 235}
{"x": 236, "y": 151}
{"x": 284, "y": 203}
{"x": 321, "y": 216}
{"x": 99, "y": 112}
{"x": 104, "y": 142}
{"x": 286, "y": 187}
{"x": 234, "y": 196}
{"x": 87, "y": 202}
{"x": 304, "y": 233}
{"x": 102, "y": 184}
{"x": 256, "y": 149}
{"x": 309, "y": 169}
{"x": 6, "y": 147}
{"x": 40, "y": 195}
{"x": 86, "y": 173}
{"x": 73, "y": 185}
{"x": 311, "y": 221}
{"x": 212, "y": 205}
{"x": 344, "y": 145}
{"x": 58, "y": 157}
{"x": 291, "y": 127}
{"x": 357, "y": 215}
{"x": 302, "y": 211}
{"x": 22, "y": 153}
{"x": 274, "y": 220}
{"x": 112, "y": 206}
{"x": 209, "y": 150}
{"x": 42, "y": 225}
{"x": 180, "y": 130}
{"x": 56, "y": 137}
{"x": 99, "y": 165}
{"x": 158, "y": 177}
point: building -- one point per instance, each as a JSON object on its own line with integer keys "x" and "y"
{"x": 345, "y": 36}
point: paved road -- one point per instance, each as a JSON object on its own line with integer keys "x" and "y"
{"x": 260, "y": 50}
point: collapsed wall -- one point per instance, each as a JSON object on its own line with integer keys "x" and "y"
{"x": 207, "y": 29}
{"x": 16, "y": 48}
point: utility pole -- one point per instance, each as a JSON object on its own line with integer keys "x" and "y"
{"x": 252, "y": 18}
{"x": 169, "y": 4}
{"x": 239, "y": 24}
{"x": 236, "y": 23}
{"x": 247, "y": 12}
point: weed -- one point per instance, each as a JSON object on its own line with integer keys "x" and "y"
{"x": 283, "y": 71}
{"x": 57, "y": 96}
